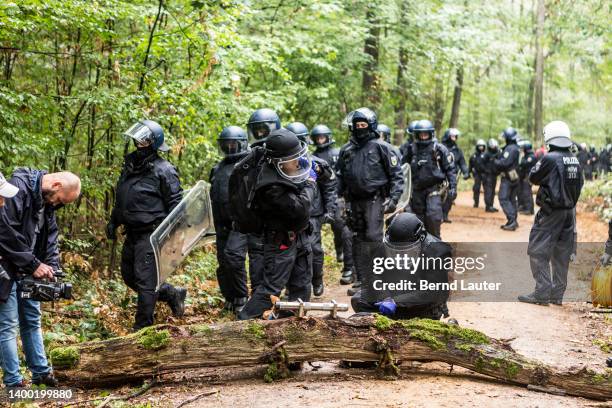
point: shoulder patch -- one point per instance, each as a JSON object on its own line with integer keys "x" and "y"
{"x": 529, "y": 159}
{"x": 538, "y": 165}
{"x": 450, "y": 158}
{"x": 506, "y": 154}
{"x": 393, "y": 159}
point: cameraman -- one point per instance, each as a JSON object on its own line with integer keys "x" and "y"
{"x": 28, "y": 245}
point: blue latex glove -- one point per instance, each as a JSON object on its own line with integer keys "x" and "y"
{"x": 386, "y": 307}
{"x": 313, "y": 175}
{"x": 303, "y": 162}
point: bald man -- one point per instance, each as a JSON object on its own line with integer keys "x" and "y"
{"x": 28, "y": 246}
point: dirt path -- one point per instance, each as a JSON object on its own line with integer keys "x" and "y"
{"x": 560, "y": 336}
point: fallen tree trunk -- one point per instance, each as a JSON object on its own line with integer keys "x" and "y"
{"x": 165, "y": 349}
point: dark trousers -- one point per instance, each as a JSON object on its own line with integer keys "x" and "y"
{"x": 367, "y": 223}
{"x": 432, "y": 311}
{"x": 550, "y": 244}
{"x": 317, "y": 250}
{"x": 287, "y": 263}
{"x": 343, "y": 237}
{"x": 255, "y": 247}
{"x": 139, "y": 273}
{"x": 508, "y": 196}
{"x": 231, "y": 257}
{"x": 427, "y": 206}
{"x": 525, "y": 196}
{"x": 490, "y": 183}
{"x": 478, "y": 181}
{"x": 446, "y": 206}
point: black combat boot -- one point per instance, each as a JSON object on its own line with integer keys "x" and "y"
{"x": 317, "y": 289}
{"x": 347, "y": 277}
{"x": 354, "y": 289}
{"x": 511, "y": 226}
{"x": 238, "y": 304}
{"x": 530, "y": 298}
{"x": 176, "y": 301}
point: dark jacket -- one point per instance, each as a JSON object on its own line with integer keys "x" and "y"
{"x": 324, "y": 201}
{"x": 146, "y": 193}
{"x": 489, "y": 161}
{"x": 458, "y": 156}
{"x": 560, "y": 178}
{"x": 329, "y": 154}
{"x": 477, "y": 163}
{"x": 369, "y": 168}
{"x": 219, "y": 190}
{"x": 527, "y": 162}
{"x": 509, "y": 159}
{"x": 406, "y": 151}
{"x": 431, "y": 164}
{"x": 28, "y": 229}
{"x": 282, "y": 205}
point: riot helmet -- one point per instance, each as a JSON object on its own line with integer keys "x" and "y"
{"x": 232, "y": 141}
{"x": 262, "y": 122}
{"x": 481, "y": 145}
{"x": 558, "y": 134}
{"x": 449, "y": 134}
{"x": 146, "y": 133}
{"x": 404, "y": 230}
{"x": 288, "y": 155}
{"x": 525, "y": 145}
{"x": 362, "y": 123}
{"x": 424, "y": 132}
{"x": 510, "y": 135}
{"x": 384, "y": 132}
{"x": 300, "y": 130}
{"x": 321, "y": 136}
{"x": 493, "y": 144}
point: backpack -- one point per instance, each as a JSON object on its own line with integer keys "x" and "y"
{"x": 241, "y": 189}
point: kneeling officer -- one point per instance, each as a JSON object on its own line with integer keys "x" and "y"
{"x": 147, "y": 191}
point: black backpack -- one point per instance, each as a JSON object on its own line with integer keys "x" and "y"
{"x": 241, "y": 188}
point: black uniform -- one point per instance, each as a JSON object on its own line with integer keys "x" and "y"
{"x": 343, "y": 241}
{"x": 147, "y": 191}
{"x": 406, "y": 151}
{"x": 604, "y": 160}
{"x": 490, "y": 177}
{"x": 28, "y": 230}
{"x": 324, "y": 202}
{"x": 368, "y": 173}
{"x": 284, "y": 208}
{"x": 432, "y": 164}
{"x": 477, "y": 169}
{"x": 551, "y": 238}
{"x": 460, "y": 165}
{"x": 583, "y": 158}
{"x": 525, "y": 197}
{"x": 231, "y": 244}
{"x": 507, "y": 165}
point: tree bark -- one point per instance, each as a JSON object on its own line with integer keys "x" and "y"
{"x": 539, "y": 72}
{"x": 370, "y": 70}
{"x": 454, "y": 119}
{"x": 157, "y": 350}
{"x": 400, "y": 84}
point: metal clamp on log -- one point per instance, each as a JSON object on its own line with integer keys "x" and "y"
{"x": 301, "y": 307}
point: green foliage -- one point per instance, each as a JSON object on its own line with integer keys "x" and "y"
{"x": 151, "y": 338}
{"x": 256, "y": 330}
{"x": 64, "y": 357}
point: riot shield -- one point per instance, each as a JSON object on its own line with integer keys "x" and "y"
{"x": 406, "y": 194}
{"x": 189, "y": 223}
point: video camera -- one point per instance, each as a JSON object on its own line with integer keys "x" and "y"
{"x": 44, "y": 290}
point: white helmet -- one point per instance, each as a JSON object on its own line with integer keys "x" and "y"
{"x": 557, "y": 133}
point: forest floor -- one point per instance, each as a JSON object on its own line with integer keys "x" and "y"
{"x": 562, "y": 336}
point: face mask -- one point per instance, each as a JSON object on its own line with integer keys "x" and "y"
{"x": 144, "y": 152}
{"x": 361, "y": 134}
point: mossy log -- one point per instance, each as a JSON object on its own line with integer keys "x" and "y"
{"x": 167, "y": 349}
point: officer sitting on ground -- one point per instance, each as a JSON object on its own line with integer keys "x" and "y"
{"x": 147, "y": 191}
{"x": 282, "y": 199}
{"x": 551, "y": 239}
{"x": 29, "y": 246}
{"x": 406, "y": 236}
{"x": 231, "y": 244}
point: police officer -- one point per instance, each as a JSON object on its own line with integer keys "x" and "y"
{"x": 406, "y": 236}
{"x": 507, "y": 165}
{"x": 385, "y": 132}
{"x": 552, "y": 236}
{"x": 583, "y": 158}
{"x": 528, "y": 160}
{"x": 406, "y": 147}
{"x": 231, "y": 244}
{"x": 477, "y": 170}
{"x": 260, "y": 124}
{"x": 147, "y": 191}
{"x": 604, "y": 159}
{"x": 322, "y": 208}
{"x": 490, "y": 174}
{"x": 433, "y": 172}
{"x": 282, "y": 199}
{"x": 370, "y": 179}
{"x": 450, "y": 142}
{"x": 323, "y": 140}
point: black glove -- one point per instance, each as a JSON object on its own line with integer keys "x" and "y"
{"x": 111, "y": 231}
{"x": 390, "y": 207}
{"x": 452, "y": 193}
{"x": 328, "y": 218}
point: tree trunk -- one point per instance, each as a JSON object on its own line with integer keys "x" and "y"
{"x": 370, "y": 69}
{"x": 164, "y": 349}
{"x": 476, "y": 118}
{"x": 438, "y": 103}
{"x": 400, "y": 84}
{"x": 539, "y": 72}
{"x": 454, "y": 119}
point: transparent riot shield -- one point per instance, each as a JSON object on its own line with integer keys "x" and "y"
{"x": 406, "y": 194}
{"x": 187, "y": 225}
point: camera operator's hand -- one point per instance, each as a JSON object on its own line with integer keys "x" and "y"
{"x": 43, "y": 271}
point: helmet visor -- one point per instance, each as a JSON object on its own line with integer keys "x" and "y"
{"x": 139, "y": 133}
{"x": 320, "y": 140}
{"x": 296, "y": 167}
{"x": 230, "y": 147}
{"x": 260, "y": 130}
